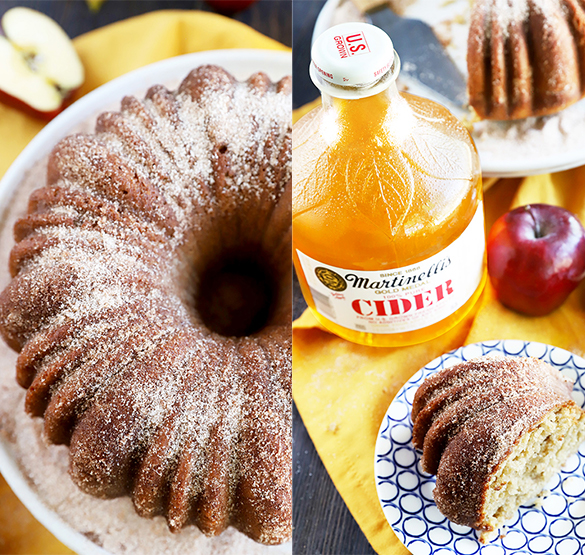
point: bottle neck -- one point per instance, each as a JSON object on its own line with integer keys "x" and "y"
{"x": 329, "y": 99}
{"x": 386, "y": 82}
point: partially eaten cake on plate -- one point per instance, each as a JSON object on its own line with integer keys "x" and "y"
{"x": 494, "y": 430}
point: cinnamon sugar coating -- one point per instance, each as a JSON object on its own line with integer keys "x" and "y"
{"x": 454, "y": 395}
{"x": 525, "y": 57}
{"x": 464, "y": 472}
{"x": 192, "y": 424}
{"x": 494, "y": 430}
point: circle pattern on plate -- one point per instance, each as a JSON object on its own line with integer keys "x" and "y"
{"x": 405, "y": 491}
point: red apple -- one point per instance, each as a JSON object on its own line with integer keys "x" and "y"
{"x": 39, "y": 67}
{"x": 229, "y": 6}
{"x": 536, "y": 257}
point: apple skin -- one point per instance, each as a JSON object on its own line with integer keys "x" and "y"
{"x": 229, "y": 6}
{"x": 536, "y": 257}
{"x": 14, "y": 102}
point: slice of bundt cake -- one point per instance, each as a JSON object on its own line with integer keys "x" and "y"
{"x": 525, "y": 57}
{"x": 494, "y": 430}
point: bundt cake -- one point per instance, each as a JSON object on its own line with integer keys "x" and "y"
{"x": 525, "y": 57}
{"x": 151, "y": 304}
{"x": 494, "y": 430}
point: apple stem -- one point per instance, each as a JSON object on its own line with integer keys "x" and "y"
{"x": 537, "y": 230}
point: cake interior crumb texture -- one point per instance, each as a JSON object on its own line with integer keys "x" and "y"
{"x": 536, "y": 457}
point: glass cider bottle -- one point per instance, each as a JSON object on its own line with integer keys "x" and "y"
{"x": 388, "y": 229}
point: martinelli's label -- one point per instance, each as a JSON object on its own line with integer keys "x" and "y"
{"x": 400, "y": 299}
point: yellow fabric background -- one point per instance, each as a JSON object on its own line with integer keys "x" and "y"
{"x": 116, "y": 49}
{"x": 108, "y": 53}
{"x": 343, "y": 390}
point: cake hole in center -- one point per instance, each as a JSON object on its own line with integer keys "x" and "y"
{"x": 235, "y": 298}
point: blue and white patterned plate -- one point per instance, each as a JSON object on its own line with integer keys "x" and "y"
{"x": 405, "y": 491}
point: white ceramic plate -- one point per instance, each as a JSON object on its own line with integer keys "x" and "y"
{"x": 405, "y": 491}
{"x": 241, "y": 63}
{"x": 506, "y": 149}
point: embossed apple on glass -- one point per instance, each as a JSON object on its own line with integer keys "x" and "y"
{"x": 536, "y": 257}
{"x": 39, "y": 67}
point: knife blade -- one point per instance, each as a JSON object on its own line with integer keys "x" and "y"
{"x": 422, "y": 56}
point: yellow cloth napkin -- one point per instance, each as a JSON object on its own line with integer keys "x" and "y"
{"x": 343, "y": 390}
{"x": 108, "y": 53}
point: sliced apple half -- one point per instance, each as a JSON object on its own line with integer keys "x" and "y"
{"x": 39, "y": 67}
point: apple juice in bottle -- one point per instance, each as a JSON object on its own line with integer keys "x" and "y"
{"x": 388, "y": 230}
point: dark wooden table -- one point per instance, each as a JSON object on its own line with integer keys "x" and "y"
{"x": 271, "y": 17}
{"x": 322, "y": 523}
